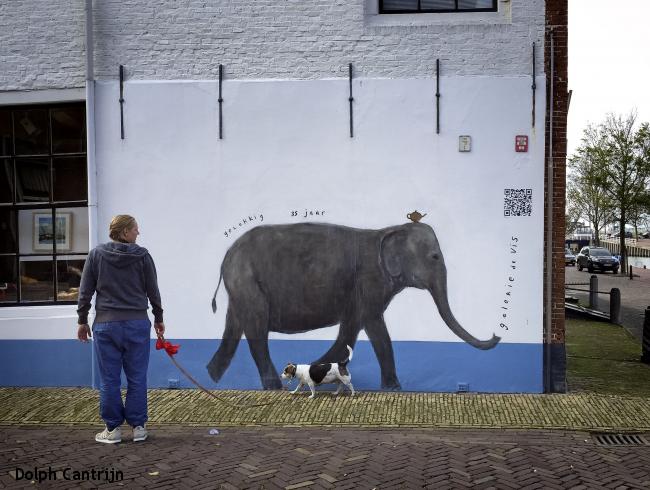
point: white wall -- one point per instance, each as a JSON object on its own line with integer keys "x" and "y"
{"x": 39, "y": 323}
{"x": 42, "y": 43}
{"x": 317, "y": 39}
{"x": 287, "y": 147}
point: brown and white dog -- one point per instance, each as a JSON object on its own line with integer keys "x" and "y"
{"x": 316, "y": 374}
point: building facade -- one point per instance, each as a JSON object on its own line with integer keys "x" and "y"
{"x": 329, "y": 152}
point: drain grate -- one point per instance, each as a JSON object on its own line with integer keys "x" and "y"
{"x": 620, "y": 440}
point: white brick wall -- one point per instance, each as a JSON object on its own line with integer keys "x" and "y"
{"x": 41, "y": 43}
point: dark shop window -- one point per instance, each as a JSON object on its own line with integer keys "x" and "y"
{"x": 43, "y": 203}
{"x": 433, "y": 6}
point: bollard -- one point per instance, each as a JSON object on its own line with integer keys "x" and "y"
{"x": 593, "y": 292}
{"x": 645, "y": 346}
{"x": 630, "y": 273}
{"x": 615, "y": 306}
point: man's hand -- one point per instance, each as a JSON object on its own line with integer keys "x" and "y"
{"x": 160, "y": 328}
{"x": 83, "y": 333}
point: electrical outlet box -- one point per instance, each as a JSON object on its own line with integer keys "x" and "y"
{"x": 464, "y": 143}
{"x": 463, "y": 387}
{"x": 521, "y": 143}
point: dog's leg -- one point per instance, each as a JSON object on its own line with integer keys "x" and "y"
{"x": 345, "y": 381}
{"x": 349, "y": 385}
{"x": 297, "y": 388}
{"x": 312, "y": 387}
{"x": 341, "y": 381}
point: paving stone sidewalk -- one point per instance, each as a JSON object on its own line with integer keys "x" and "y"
{"x": 583, "y": 411}
{"x": 319, "y": 458}
{"x": 370, "y": 441}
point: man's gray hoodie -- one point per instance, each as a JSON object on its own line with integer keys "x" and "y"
{"x": 124, "y": 276}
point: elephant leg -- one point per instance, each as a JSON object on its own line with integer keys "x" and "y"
{"x": 383, "y": 347}
{"x": 259, "y": 348}
{"x": 257, "y": 335}
{"x": 231, "y": 336}
{"x": 348, "y": 333}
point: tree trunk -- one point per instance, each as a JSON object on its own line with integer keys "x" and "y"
{"x": 621, "y": 241}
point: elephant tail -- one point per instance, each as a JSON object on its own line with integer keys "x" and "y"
{"x": 344, "y": 363}
{"x": 214, "y": 298}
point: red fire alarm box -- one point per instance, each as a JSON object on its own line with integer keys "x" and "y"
{"x": 521, "y": 143}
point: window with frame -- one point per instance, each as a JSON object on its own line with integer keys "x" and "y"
{"x": 43, "y": 203}
{"x": 435, "y": 6}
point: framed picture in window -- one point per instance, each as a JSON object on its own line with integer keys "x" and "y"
{"x": 44, "y": 231}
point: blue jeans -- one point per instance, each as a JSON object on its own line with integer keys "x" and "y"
{"x": 122, "y": 345}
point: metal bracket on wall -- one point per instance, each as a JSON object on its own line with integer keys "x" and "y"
{"x": 220, "y": 99}
{"x": 122, "y": 101}
{"x": 351, "y": 99}
{"x": 534, "y": 86}
{"x": 437, "y": 96}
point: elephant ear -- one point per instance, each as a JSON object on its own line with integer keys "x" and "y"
{"x": 391, "y": 250}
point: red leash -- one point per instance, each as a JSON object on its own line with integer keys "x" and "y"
{"x": 172, "y": 349}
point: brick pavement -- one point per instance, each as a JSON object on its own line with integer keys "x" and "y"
{"x": 374, "y": 440}
{"x": 319, "y": 458}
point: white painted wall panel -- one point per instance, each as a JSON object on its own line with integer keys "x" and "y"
{"x": 287, "y": 148}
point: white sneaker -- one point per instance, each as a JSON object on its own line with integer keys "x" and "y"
{"x": 139, "y": 433}
{"x": 109, "y": 436}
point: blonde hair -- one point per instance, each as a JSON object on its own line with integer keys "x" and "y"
{"x": 120, "y": 223}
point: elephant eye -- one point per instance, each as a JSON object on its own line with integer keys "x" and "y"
{"x": 434, "y": 256}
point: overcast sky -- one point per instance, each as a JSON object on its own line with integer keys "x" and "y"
{"x": 609, "y": 62}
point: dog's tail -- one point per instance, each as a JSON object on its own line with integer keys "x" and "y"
{"x": 344, "y": 363}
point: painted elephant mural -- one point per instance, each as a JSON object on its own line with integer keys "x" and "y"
{"x": 301, "y": 277}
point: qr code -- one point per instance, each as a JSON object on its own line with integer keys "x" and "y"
{"x": 517, "y": 202}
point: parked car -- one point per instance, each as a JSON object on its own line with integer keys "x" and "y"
{"x": 628, "y": 234}
{"x": 569, "y": 258}
{"x": 597, "y": 258}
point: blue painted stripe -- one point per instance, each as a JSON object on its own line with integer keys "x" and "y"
{"x": 421, "y": 366}
{"x": 45, "y": 363}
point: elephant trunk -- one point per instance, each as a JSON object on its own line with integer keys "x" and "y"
{"x": 439, "y": 293}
